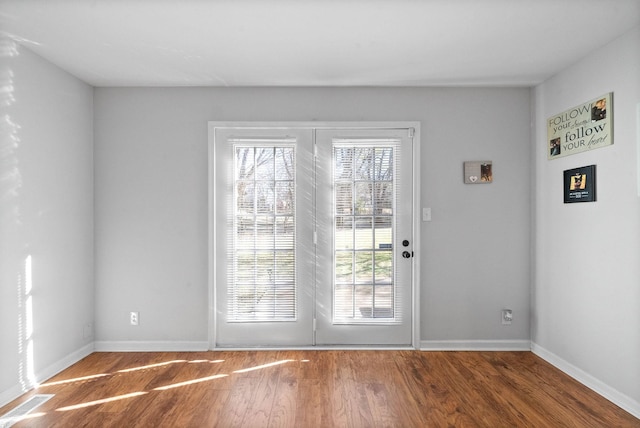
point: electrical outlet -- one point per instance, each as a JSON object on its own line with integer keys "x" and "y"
{"x": 134, "y": 318}
{"x": 507, "y": 316}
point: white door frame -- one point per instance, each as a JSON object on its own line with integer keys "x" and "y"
{"x": 212, "y": 265}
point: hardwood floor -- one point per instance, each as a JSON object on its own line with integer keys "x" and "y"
{"x": 319, "y": 389}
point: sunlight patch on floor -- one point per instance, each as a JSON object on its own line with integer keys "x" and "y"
{"x": 190, "y": 382}
{"x": 77, "y": 379}
{"x": 263, "y": 366}
{"x": 151, "y": 366}
{"x": 104, "y": 400}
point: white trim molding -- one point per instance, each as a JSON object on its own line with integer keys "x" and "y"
{"x": 616, "y": 397}
{"x": 475, "y": 345}
{"x": 150, "y": 346}
{"x": 8, "y": 395}
{"x": 48, "y": 372}
{"x": 64, "y": 363}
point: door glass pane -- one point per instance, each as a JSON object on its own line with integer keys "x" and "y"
{"x": 364, "y": 267}
{"x": 263, "y": 285}
{"x": 363, "y": 233}
{"x": 344, "y": 267}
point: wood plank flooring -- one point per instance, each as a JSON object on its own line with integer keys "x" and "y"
{"x": 319, "y": 389}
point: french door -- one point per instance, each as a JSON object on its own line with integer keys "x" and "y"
{"x": 312, "y": 236}
{"x": 364, "y": 227}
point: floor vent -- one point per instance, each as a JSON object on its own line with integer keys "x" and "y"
{"x": 23, "y": 409}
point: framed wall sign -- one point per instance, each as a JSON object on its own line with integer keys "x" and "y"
{"x": 580, "y": 184}
{"x": 585, "y": 127}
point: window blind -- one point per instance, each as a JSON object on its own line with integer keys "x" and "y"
{"x": 263, "y": 285}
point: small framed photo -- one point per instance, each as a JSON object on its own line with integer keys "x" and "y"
{"x": 478, "y": 172}
{"x": 580, "y": 184}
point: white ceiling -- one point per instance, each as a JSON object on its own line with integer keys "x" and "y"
{"x": 316, "y": 42}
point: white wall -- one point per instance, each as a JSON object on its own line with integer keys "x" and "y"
{"x": 46, "y": 191}
{"x": 586, "y": 301}
{"x": 151, "y": 203}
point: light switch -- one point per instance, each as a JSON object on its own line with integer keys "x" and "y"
{"x": 426, "y": 214}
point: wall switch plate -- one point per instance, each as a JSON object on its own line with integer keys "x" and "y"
{"x": 507, "y": 316}
{"x": 134, "y": 318}
{"x": 426, "y": 214}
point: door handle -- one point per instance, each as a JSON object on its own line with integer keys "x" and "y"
{"x": 407, "y": 254}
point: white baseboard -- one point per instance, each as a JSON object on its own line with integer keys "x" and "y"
{"x": 616, "y": 397}
{"x": 64, "y": 363}
{"x": 150, "y": 346}
{"x": 475, "y": 345}
{"x": 46, "y": 373}
{"x": 10, "y": 394}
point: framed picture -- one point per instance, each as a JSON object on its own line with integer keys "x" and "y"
{"x": 585, "y": 127}
{"x": 580, "y": 184}
{"x": 478, "y": 172}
